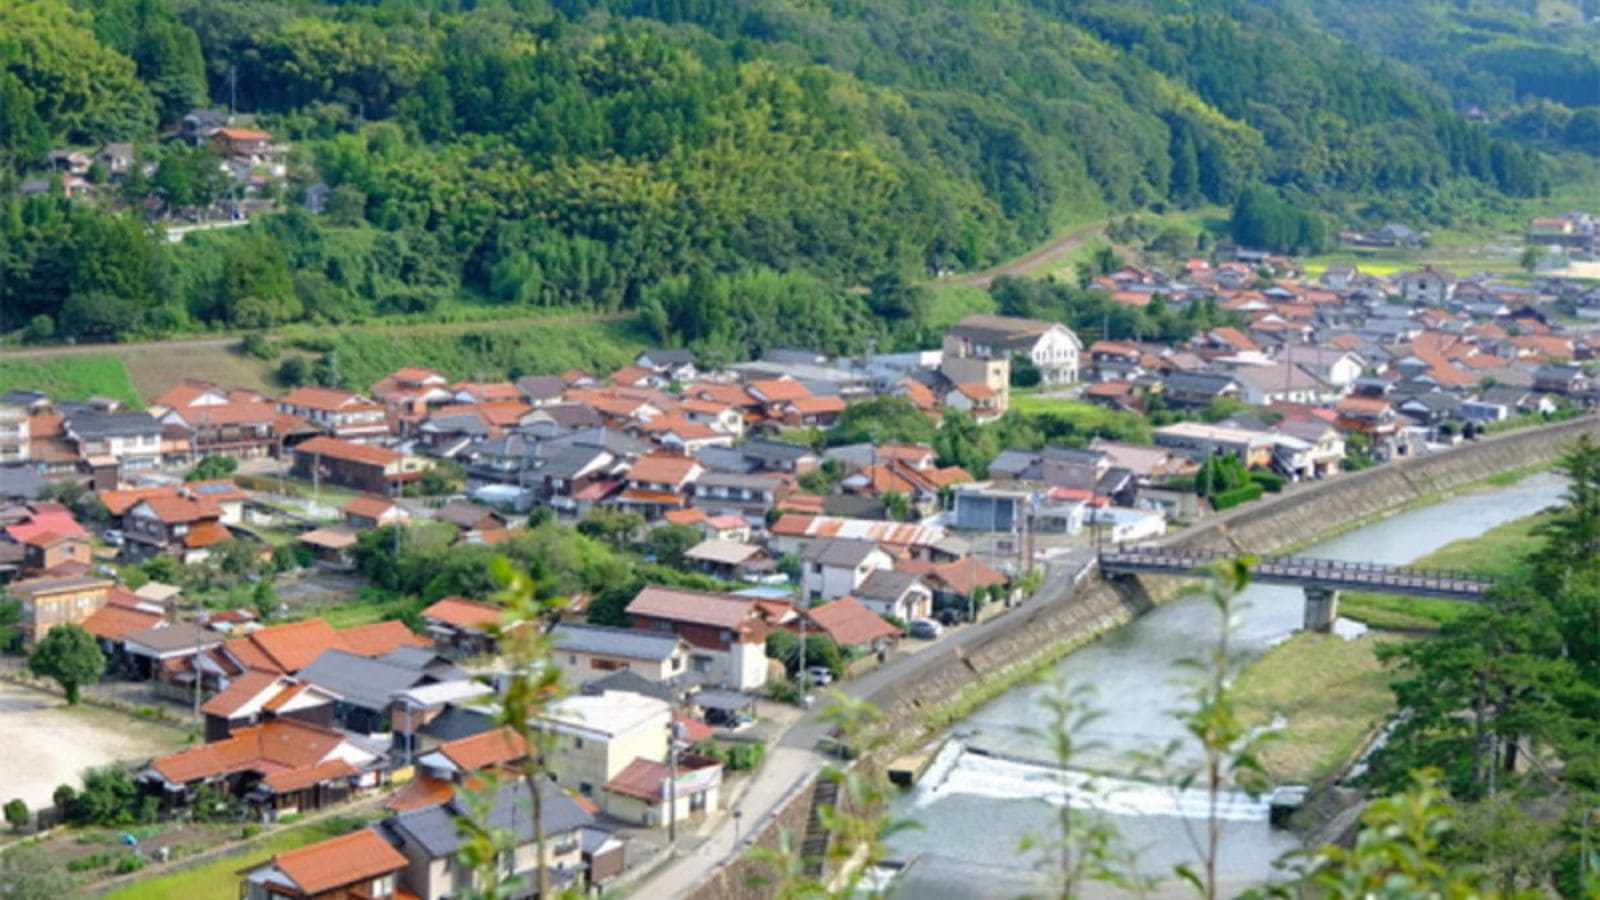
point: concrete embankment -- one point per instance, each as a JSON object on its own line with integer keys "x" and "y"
{"x": 1063, "y": 617}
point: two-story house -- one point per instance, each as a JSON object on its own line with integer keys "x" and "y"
{"x": 659, "y": 482}
{"x": 586, "y": 652}
{"x": 339, "y": 414}
{"x": 726, "y": 635}
{"x": 835, "y": 567}
{"x": 130, "y": 442}
{"x": 599, "y": 735}
{"x": 241, "y": 424}
{"x": 374, "y": 470}
{"x": 1427, "y": 286}
{"x": 175, "y": 524}
{"x": 1052, "y": 347}
{"x": 748, "y": 496}
{"x": 1200, "y": 441}
{"x": 51, "y": 600}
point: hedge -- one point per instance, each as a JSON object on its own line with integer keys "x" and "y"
{"x": 1272, "y": 481}
{"x": 1244, "y": 494}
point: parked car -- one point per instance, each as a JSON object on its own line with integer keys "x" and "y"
{"x": 948, "y": 617}
{"x": 820, "y": 675}
{"x": 926, "y": 629}
{"x": 113, "y": 537}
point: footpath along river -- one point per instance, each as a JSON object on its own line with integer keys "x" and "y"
{"x": 974, "y": 810}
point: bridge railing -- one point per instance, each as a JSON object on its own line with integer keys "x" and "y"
{"x": 1377, "y": 573}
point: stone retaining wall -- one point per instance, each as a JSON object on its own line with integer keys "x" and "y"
{"x": 1059, "y": 619}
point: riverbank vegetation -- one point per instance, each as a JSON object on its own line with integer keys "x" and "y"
{"x": 1501, "y": 552}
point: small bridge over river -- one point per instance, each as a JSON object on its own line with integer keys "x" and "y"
{"x": 1321, "y": 579}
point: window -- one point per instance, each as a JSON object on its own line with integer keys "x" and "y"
{"x": 577, "y": 743}
{"x": 585, "y": 788}
{"x": 383, "y": 887}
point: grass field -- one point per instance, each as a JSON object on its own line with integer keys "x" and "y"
{"x": 1085, "y": 417}
{"x": 219, "y": 879}
{"x": 1325, "y": 717}
{"x": 71, "y": 378}
{"x": 1496, "y": 553}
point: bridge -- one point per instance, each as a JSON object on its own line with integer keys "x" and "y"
{"x": 1321, "y": 579}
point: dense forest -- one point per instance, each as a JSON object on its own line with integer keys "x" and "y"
{"x": 768, "y": 158}
{"x": 1532, "y": 67}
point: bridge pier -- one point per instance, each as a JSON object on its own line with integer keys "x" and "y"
{"x": 1322, "y": 607}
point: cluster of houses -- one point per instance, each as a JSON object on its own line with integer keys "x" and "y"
{"x": 1422, "y": 357}
{"x": 251, "y": 158}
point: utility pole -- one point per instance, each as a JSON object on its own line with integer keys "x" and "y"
{"x": 672, "y": 784}
{"x": 233, "y": 89}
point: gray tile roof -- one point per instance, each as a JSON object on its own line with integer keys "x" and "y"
{"x": 436, "y": 829}
{"x": 885, "y": 584}
{"x": 627, "y": 642}
{"x": 362, "y": 682}
{"x": 838, "y": 552}
{"x": 91, "y": 425}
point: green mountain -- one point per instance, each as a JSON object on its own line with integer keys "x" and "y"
{"x": 700, "y": 160}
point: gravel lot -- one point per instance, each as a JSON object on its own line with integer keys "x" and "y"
{"x": 47, "y": 744}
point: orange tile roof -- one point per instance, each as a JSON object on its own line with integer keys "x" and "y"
{"x": 420, "y": 792}
{"x": 324, "y": 399}
{"x": 815, "y": 405}
{"x": 206, "y": 534}
{"x": 289, "y": 647}
{"x": 488, "y": 391}
{"x": 642, "y": 779}
{"x": 355, "y": 857}
{"x": 346, "y": 450}
{"x": 242, "y": 691}
{"x": 299, "y": 779}
{"x": 685, "y": 517}
{"x": 630, "y": 376}
{"x": 175, "y": 508}
{"x": 379, "y": 638}
{"x": 272, "y": 746}
{"x": 233, "y": 413}
{"x": 850, "y": 624}
{"x": 662, "y": 468}
{"x": 115, "y": 622}
{"x": 464, "y": 613}
{"x": 779, "y": 390}
{"x": 244, "y": 134}
{"x": 369, "y": 507}
{"x": 119, "y": 502}
{"x": 480, "y": 751}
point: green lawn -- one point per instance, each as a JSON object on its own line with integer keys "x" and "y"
{"x": 948, "y": 305}
{"x": 1331, "y": 693}
{"x": 1496, "y": 553}
{"x": 71, "y": 378}
{"x": 219, "y": 879}
{"x": 1085, "y": 417}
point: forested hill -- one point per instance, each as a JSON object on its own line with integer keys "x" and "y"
{"x": 600, "y": 153}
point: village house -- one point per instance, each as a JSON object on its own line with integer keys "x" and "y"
{"x": 338, "y": 414}
{"x": 373, "y": 470}
{"x": 361, "y": 864}
{"x": 852, "y": 626}
{"x": 279, "y": 767}
{"x": 366, "y": 685}
{"x": 370, "y": 511}
{"x": 726, "y": 635}
{"x": 257, "y": 697}
{"x": 1427, "y": 286}
{"x": 659, "y": 482}
{"x": 1052, "y": 347}
{"x": 1200, "y": 441}
{"x": 51, "y": 600}
{"x": 599, "y": 735}
{"x": 729, "y": 560}
{"x": 429, "y": 840}
{"x": 177, "y": 524}
{"x": 463, "y": 626}
{"x": 835, "y": 567}
{"x": 216, "y": 421}
{"x": 585, "y": 652}
{"x": 113, "y": 441}
{"x": 750, "y": 497}
{"x": 896, "y": 593}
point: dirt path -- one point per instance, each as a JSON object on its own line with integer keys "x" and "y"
{"x": 1029, "y": 263}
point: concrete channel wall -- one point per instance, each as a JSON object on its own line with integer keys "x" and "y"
{"x": 1062, "y": 617}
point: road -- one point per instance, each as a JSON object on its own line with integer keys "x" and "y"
{"x": 794, "y": 754}
{"x": 1027, "y": 264}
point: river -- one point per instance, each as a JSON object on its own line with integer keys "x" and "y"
{"x": 974, "y": 810}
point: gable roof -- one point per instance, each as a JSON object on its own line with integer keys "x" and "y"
{"x": 663, "y": 468}
{"x": 275, "y": 745}
{"x": 480, "y": 751}
{"x": 626, "y": 642}
{"x": 380, "y": 638}
{"x": 887, "y": 584}
{"x": 372, "y": 507}
{"x": 323, "y": 399}
{"x": 839, "y": 552}
{"x": 463, "y": 613}
{"x": 850, "y": 624}
{"x": 289, "y": 647}
{"x": 694, "y": 607}
{"x": 358, "y": 856}
{"x": 352, "y": 452}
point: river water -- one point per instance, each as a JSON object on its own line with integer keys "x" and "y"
{"x": 974, "y": 810}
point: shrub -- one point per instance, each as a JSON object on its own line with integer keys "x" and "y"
{"x": 1236, "y": 496}
{"x": 1271, "y": 481}
{"x": 92, "y": 861}
{"x": 133, "y": 862}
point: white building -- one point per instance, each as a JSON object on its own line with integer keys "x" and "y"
{"x": 835, "y": 567}
{"x": 1052, "y": 347}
